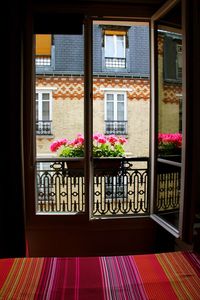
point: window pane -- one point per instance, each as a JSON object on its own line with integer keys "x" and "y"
{"x": 167, "y": 205}
{"x": 120, "y": 46}
{"x": 120, "y": 97}
{"x": 120, "y": 111}
{"x": 37, "y": 116}
{"x": 110, "y": 97}
{"x": 120, "y": 185}
{"x": 110, "y": 111}
{"x": 60, "y": 109}
{"x": 45, "y": 96}
{"x": 109, "y": 46}
{"x": 45, "y": 111}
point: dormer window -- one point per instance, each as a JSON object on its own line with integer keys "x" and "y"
{"x": 115, "y": 44}
{"x": 115, "y": 49}
{"x": 43, "y": 50}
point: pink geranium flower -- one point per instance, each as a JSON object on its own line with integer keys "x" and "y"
{"x": 112, "y": 139}
{"x": 102, "y": 140}
{"x": 57, "y": 144}
{"x": 103, "y": 146}
{"x": 96, "y": 136}
{"x": 80, "y": 138}
{"x": 122, "y": 140}
{"x": 169, "y": 142}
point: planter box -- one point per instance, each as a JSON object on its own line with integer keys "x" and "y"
{"x": 172, "y": 157}
{"x": 103, "y": 166}
{"x": 106, "y": 166}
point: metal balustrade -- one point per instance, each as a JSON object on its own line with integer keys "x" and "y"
{"x": 44, "y": 127}
{"x": 116, "y": 127}
{"x": 115, "y": 62}
{"x": 168, "y": 187}
{"x": 116, "y": 193}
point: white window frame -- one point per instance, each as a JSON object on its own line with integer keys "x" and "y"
{"x": 115, "y": 45}
{"x": 41, "y": 91}
{"x": 115, "y": 93}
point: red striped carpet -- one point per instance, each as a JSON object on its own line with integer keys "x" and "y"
{"x": 154, "y": 276}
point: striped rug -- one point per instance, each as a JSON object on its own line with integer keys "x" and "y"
{"x": 154, "y": 276}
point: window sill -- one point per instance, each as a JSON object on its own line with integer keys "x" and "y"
{"x": 43, "y": 136}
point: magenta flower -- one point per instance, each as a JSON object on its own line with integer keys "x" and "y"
{"x": 112, "y": 139}
{"x": 80, "y": 139}
{"x": 122, "y": 140}
{"x": 54, "y": 146}
{"x": 103, "y": 146}
{"x": 63, "y": 141}
{"x": 175, "y": 138}
{"x": 102, "y": 140}
{"x": 96, "y": 136}
{"x": 169, "y": 142}
{"x": 57, "y": 144}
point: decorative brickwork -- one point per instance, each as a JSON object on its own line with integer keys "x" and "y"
{"x": 73, "y": 87}
{"x": 160, "y": 45}
{"x": 171, "y": 93}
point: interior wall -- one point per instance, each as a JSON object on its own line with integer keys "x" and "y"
{"x": 12, "y": 230}
{"x": 191, "y": 19}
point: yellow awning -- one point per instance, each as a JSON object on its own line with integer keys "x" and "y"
{"x": 43, "y": 44}
{"x": 115, "y": 32}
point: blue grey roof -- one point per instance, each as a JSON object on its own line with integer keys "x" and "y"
{"x": 68, "y": 54}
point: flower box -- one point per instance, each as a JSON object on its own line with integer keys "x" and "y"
{"x": 107, "y": 152}
{"x": 172, "y": 157}
{"x": 169, "y": 146}
{"x": 107, "y": 166}
{"x": 103, "y": 166}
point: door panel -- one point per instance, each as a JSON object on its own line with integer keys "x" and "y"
{"x": 168, "y": 118}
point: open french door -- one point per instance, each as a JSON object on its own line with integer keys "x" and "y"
{"x": 168, "y": 117}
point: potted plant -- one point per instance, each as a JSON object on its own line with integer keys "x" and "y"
{"x": 169, "y": 145}
{"x": 107, "y": 152}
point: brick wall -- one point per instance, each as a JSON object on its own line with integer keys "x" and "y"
{"x": 169, "y": 96}
{"x": 68, "y": 103}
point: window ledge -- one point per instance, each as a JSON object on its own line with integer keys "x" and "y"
{"x": 43, "y": 136}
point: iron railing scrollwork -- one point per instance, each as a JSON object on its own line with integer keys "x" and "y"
{"x": 124, "y": 193}
{"x": 120, "y": 193}
{"x": 115, "y": 62}
{"x": 44, "y": 127}
{"x": 116, "y": 127}
{"x": 168, "y": 187}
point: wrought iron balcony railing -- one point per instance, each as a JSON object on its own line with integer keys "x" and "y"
{"x": 43, "y": 127}
{"x": 115, "y": 62}
{"x": 116, "y": 127}
{"x": 168, "y": 187}
{"x": 42, "y": 61}
{"x": 124, "y": 193}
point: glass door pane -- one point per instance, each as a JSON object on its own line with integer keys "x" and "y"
{"x": 60, "y": 126}
{"x": 168, "y": 47}
{"x": 121, "y": 110}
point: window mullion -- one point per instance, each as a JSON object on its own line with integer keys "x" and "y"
{"x": 115, "y": 106}
{"x": 115, "y": 45}
{"x": 88, "y": 115}
{"x": 40, "y": 106}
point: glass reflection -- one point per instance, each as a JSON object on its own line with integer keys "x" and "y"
{"x": 169, "y": 50}
{"x": 170, "y": 95}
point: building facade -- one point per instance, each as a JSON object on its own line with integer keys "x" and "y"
{"x": 121, "y": 85}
